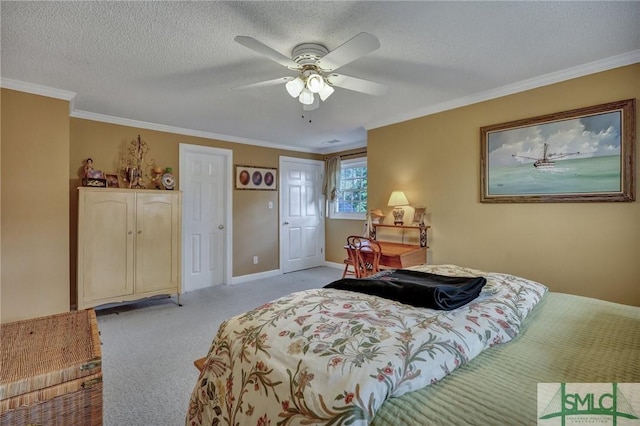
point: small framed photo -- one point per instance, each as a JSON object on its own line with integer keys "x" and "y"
{"x": 256, "y": 178}
{"x": 418, "y": 215}
{"x": 112, "y": 180}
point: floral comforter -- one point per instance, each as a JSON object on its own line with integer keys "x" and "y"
{"x": 332, "y": 357}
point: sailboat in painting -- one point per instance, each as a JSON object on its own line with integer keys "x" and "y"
{"x": 548, "y": 159}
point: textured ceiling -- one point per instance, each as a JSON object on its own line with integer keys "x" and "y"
{"x": 173, "y": 65}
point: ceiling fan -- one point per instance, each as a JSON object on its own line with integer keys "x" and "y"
{"x": 315, "y": 65}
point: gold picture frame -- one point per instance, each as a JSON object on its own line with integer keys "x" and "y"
{"x": 581, "y": 155}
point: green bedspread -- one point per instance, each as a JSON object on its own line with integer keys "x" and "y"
{"x": 566, "y": 338}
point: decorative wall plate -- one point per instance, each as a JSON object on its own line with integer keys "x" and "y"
{"x": 168, "y": 181}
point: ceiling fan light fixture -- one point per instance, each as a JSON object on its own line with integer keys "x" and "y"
{"x": 325, "y": 92}
{"x": 315, "y": 83}
{"x": 306, "y": 97}
{"x": 316, "y": 65}
{"x": 295, "y": 86}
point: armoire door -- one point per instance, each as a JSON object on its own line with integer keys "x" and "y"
{"x": 157, "y": 241}
{"x": 106, "y": 246}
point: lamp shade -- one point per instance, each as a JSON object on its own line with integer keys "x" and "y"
{"x": 306, "y": 97}
{"x": 377, "y": 213}
{"x": 398, "y": 199}
{"x": 325, "y": 92}
{"x": 294, "y": 87}
{"x": 315, "y": 83}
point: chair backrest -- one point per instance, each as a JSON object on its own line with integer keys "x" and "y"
{"x": 365, "y": 255}
{"x": 352, "y": 243}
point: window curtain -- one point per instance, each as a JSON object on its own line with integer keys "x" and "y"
{"x": 368, "y": 226}
{"x": 331, "y": 178}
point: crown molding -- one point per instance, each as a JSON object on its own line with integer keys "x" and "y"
{"x": 540, "y": 81}
{"x": 37, "y": 89}
{"x": 345, "y": 147}
{"x": 66, "y": 95}
{"x": 606, "y": 64}
{"x": 86, "y": 115}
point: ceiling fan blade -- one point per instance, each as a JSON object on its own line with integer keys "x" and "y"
{"x": 267, "y": 83}
{"x": 358, "y": 84}
{"x": 265, "y": 50}
{"x": 351, "y": 50}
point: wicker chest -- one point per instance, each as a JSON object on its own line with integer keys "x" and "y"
{"x": 50, "y": 371}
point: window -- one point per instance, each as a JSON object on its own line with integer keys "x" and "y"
{"x": 352, "y": 194}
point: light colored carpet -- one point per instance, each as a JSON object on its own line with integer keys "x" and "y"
{"x": 148, "y": 348}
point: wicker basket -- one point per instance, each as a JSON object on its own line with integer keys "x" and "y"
{"x": 50, "y": 371}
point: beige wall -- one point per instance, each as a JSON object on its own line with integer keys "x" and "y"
{"x": 35, "y": 206}
{"x": 43, "y": 153}
{"x": 590, "y": 249}
{"x": 255, "y": 227}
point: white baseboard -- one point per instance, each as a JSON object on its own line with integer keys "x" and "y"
{"x": 251, "y": 277}
{"x": 273, "y": 273}
{"x": 334, "y": 265}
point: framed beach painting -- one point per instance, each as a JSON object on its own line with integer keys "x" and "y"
{"x": 581, "y": 155}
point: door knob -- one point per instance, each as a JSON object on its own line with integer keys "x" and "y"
{"x": 220, "y": 226}
{"x": 286, "y": 223}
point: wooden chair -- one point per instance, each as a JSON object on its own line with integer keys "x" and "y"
{"x": 365, "y": 253}
{"x": 350, "y": 261}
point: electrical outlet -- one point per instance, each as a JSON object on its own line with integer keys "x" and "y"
{"x": 270, "y": 204}
{"x": 255, "y": 260}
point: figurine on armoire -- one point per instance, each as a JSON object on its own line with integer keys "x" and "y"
{"x": 90, "y": 172}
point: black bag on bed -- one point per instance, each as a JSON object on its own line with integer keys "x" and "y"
{"x": 421, "y": 289}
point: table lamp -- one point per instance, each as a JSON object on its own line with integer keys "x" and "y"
{"x": 376, "y": 215}
{"x": 397, "y": 200}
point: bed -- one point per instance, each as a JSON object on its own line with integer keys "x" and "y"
{"x": 329, "y": 356}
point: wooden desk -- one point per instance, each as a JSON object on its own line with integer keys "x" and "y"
{"x": 422, "y": 229}
{"x": 396, "y": 255}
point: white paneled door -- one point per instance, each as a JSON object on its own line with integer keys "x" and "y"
{"x": 204, "y": 179}
{"x": 301, "y": 214}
